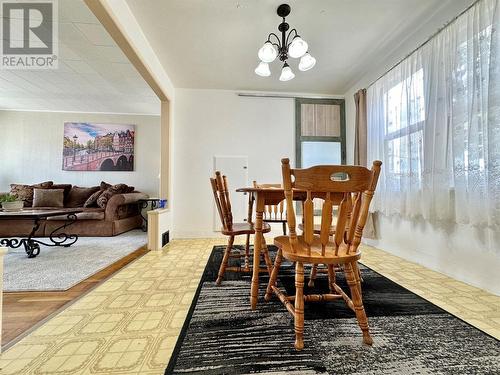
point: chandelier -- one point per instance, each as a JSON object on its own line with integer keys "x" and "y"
{"x": 284, "y": 48}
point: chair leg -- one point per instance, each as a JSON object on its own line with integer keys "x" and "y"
{"x": 274, "y": 275}
{"x": 247, "y": 252}
{"x": 299, "y": 306}
{"x": 225, "y": 260}
{"x": 312, "y": 277}
{"x": 331, "y": 278}
{"x": 284, "y": 229}
{"x": 351, "y": 273}
{"x": 267, "y": 259}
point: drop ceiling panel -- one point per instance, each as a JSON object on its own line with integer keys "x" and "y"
{"x": 93, "y": 74}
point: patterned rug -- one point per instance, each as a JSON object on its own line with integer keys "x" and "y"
{"x": 222, "y": 335}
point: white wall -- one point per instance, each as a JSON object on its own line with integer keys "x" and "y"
{"x": 217, "y": 122}
{"x": 463, "y": 252}
{"x": 32, "y": 143}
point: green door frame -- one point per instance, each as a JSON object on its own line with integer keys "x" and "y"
{"x": 298, "y": 130}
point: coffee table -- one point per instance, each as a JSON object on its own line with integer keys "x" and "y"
{"x": 56, "y": 237}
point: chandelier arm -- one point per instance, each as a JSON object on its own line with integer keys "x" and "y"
{"x": 277, "y": 38}
{"x": 288, "y": 36}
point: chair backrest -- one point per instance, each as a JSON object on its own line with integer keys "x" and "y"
{"x": 356, "y": 184}
{"x": 275, "y": 212}
{"x": 221, "y": 196}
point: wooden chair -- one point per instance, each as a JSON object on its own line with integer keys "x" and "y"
{"x": 357, "y": 190}
{"x": 317, "y": 230}
{"x": 221, "y": 195}
{"x": 274, "y": 213}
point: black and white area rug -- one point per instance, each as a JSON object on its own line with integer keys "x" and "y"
{"x": 222, "y": 335}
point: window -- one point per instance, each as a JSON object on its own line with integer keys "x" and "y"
{"x": 433, "y": 120}
{"x": 320, "y": 132}
{"x": 404, "y": 109}
{"x": 320, "y": 135}
{"x": 472, "y": 57}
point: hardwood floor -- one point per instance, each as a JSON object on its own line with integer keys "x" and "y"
{"x": 23, "y": 310}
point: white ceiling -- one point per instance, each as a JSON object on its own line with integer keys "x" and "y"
{"x": 214, "y": 43}
{"x": 93, "y": 76}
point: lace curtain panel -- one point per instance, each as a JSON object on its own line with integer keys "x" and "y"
{"x": 434, "y": 120}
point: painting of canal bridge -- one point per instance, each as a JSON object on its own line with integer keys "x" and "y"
{"x": 98, "y": 147}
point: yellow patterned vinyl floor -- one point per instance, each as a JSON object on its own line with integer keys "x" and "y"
{"x": 130, "y": 323}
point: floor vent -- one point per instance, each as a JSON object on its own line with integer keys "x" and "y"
{"x": 165, "y": 238}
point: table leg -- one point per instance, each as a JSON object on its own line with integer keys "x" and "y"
{"x": 142, "y": 205}
{"x": 257, "y": 246}
{"x": 32, "y": 248}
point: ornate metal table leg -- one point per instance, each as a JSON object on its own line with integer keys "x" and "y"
{"x": 63, "y": 239}
{"x": 142, "y": 206}
{"x": 31, "y": 247}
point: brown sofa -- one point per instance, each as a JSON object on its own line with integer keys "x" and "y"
{"x": 121, "y": 214}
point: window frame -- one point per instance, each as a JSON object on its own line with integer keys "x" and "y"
{"x": 408, "y": 130}
{"x": 298, "y": 128}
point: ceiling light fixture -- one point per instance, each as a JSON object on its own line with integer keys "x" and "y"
{"x": 283, "y": 48}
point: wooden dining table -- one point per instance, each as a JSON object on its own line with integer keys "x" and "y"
{"x": 263, "y": 196}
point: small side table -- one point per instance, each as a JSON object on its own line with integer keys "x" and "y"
{"x": 150, "y": 204}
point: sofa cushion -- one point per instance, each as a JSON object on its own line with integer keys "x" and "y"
{"x": 102, "y": 201}
{"x": 48, "y": 197}
{"x": 25, "y": 192}
{"x": 92, "y": 200}
{"x": 65, "y": 187}
{"x": 86, "y": 214}
{"x": 79, "y": 195}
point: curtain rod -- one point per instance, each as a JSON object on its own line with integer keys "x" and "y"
{"x": 427, "y": 40}
{"x": 284, "y": 96}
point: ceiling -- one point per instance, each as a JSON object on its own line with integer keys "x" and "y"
{"x": 214, "y": 43}
{"x": 93, "y": 76}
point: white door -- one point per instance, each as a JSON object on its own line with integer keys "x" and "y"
{"x": 235, "y": 168}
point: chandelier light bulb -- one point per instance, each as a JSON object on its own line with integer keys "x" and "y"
{"x": 298, "y": 47}
{"x": 263, "y": 69}
{"x": 286, "y": 73}
{"x": 267, "y": 53}
{"x": 306, "y": 62}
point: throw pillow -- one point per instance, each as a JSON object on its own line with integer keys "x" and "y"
{"x": 48, "y": 197}
{"x": 92, "y": 200}
{"x": 79, "y": 195}
{"x": 25, "y": 192}
{"x": 105, "y": 185}
{"x": 102, "y": 201}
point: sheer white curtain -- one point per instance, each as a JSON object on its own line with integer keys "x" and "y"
{"x": 434, "y": 120}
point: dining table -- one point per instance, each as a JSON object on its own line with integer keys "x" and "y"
{"x": 263, "y": 195}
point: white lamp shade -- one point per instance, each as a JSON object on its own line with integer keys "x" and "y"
{"x": 286, "y": 74}
{"x": 306, "y": 62}
{"x": 263, "y": 69}
{"x": 298, "y": 47}
{"x": 267, "y": 53}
